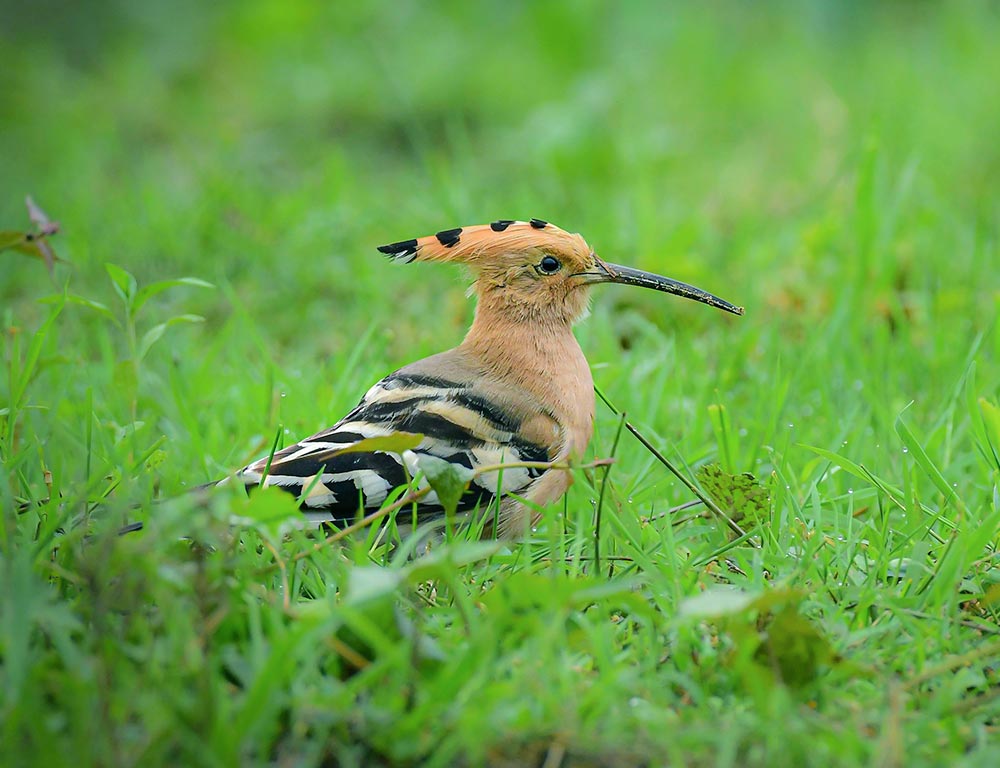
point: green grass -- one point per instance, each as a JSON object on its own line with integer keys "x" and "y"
{"x": 832, "y": 166}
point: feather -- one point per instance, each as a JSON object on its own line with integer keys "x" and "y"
{"x": 462, "y": 422}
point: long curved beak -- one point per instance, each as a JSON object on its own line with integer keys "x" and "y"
{"x": 604, "y": 272}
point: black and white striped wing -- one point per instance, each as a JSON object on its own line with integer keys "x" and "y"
{"x": 460, "y": 424}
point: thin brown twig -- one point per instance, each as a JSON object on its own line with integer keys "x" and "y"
{"x": 952, "y": 663}
{"x": 350, "y": 655}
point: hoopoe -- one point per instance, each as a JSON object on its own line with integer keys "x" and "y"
{"x": 517, "y": 389}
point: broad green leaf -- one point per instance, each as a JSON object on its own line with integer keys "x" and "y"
{"x": 724, "y": 601}
{"x": 271, "y": 511}
{"x": 443, "y": 561}
{"x": 716, "y": 602}
{"x": 36, "y": 248}
{"x": 123, "y": 282}
{"x": 150, "y": 337}
{"x": 366, "y": 583}
{"x": 149, "y": 291}
{"x": 82, "y": 301}
{"x": 448, "y": 480}
{"x": 397, "y": 442}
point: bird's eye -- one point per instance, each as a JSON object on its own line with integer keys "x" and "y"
{"x": 548, "y": 265}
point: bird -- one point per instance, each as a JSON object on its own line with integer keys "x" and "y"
{"x": 517, "y": 392}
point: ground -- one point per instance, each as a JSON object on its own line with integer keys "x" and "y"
{"x": 831, "y": 166}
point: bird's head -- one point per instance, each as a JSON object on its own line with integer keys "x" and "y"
{"x": 535, "y": 270}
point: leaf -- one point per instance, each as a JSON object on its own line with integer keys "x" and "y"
{"x": 150, "y": 337}
{"x": 39, "y": 218}
{"x": 272, "y": 512}
{"x": 33, "y": 244}
{"x": 716, "y": 602}
{"x": 373, "y": 626}
{"x": 124, "y": 282}
{"x": 71, "y": 298}
{"x": 792, "y": 647}
{"x": 739, "y": 496}
{"x": 149, "y": 291}
{"x": 36, "y": 248}
{"x": 367, "y": 583}
{"x": 449, "y": 481}
{"x": 156, "y": 458}
{"x": 9, "y": 238}
{"x": 397, "y": 442}
{"x": 770, "y": 630}
{"x": 924, "y": 462}
{"x": 892, "y": 491}
{"x": 442, "y": 562}
{"x": 43, "y": 247}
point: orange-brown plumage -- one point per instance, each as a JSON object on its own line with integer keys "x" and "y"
{"x": 482, "y": 246}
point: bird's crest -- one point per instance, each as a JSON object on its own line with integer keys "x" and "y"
{"x": 479, "y": 244}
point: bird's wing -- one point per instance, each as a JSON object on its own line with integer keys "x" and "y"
{"x": 460, "y": 422}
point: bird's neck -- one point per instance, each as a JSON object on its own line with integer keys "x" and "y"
{"x": 543, "y": 358}
{"x": 521, "y": 348}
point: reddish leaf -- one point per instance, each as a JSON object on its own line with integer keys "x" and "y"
{"x": 38, "y": 217}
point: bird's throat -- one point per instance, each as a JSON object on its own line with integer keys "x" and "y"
{"x": 544, "y": 359}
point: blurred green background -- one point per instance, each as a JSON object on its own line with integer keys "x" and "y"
{"x": 834, "y": 166}
{"x": 717, "y": 141}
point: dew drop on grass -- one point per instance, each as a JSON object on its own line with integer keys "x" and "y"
{"x": 905, "y": 449}
{"x": 790, "y": 426}
{"x": 850, "y": 490}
